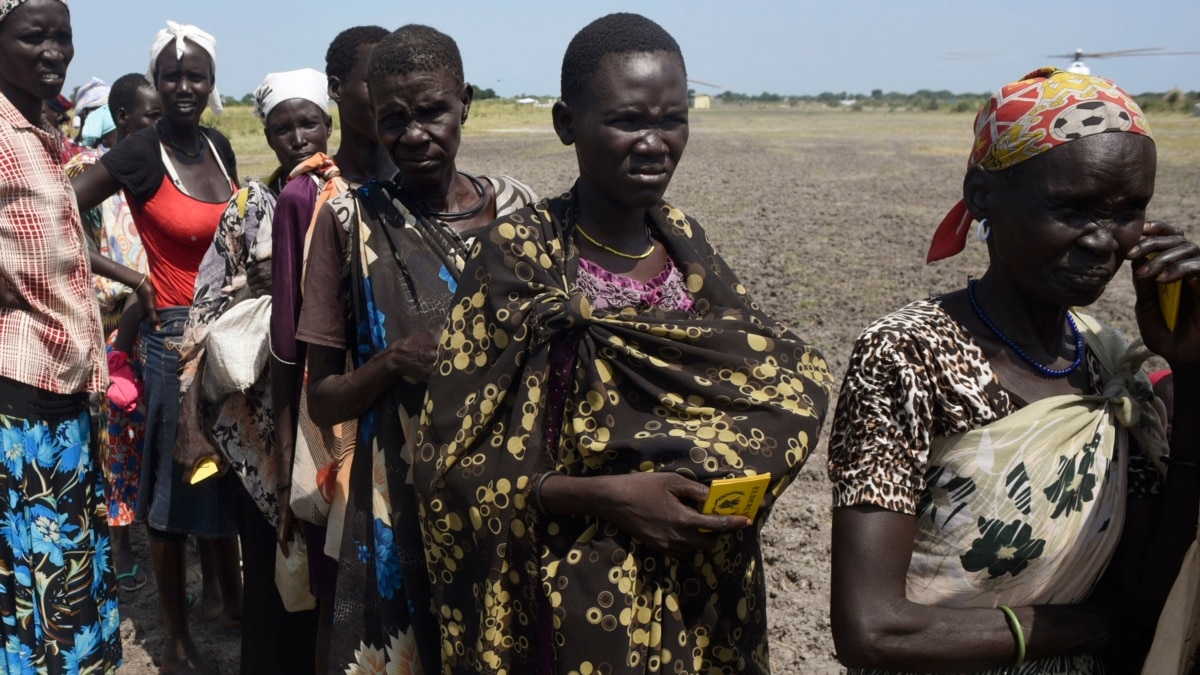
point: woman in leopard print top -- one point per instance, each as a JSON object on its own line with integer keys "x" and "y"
{"x": 994, "y": 448}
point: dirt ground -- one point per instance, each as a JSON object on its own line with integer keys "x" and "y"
{"x": 827, "y": 217}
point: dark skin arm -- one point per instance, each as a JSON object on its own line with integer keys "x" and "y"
{"x": 335, "y": 395}
{"x": 92, "y": 187}
{"x": 658, "y": 509}
{"x": 876, "y": 626}
{"x": 285, "y": 382}
{"x": 127, "y": 329}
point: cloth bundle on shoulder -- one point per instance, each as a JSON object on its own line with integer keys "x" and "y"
{"x": 238, "y": 342}
{"x": 225, "y": 411}
{"x": 238, "y": 346}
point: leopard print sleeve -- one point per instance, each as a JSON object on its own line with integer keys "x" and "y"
{"x": 879, "y": 444}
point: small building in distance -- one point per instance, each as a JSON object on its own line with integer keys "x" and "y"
{"x": 701, "y": 101}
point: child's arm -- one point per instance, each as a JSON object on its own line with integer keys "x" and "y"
{"x": 127, "y": 328}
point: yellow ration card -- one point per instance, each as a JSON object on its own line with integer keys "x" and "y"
{"x": 737, "y": 496}
{"x": 1168, "y": 301}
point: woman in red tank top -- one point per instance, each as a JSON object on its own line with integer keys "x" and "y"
{"x": 178, "y": 178}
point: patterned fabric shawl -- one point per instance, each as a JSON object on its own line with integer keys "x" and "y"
{"x": 723, "y": 392}
{"x": 402, "y": 271}
{"x": 237, "y": 431}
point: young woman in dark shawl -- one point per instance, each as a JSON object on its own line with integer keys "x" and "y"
{"x": 389, "y": 255}
{"x": 600, "y": 366}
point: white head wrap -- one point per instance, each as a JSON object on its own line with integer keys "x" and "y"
{"x": 92, "y": 95}
{"x": 176, "y": 33}
{"x": 306, "y": 83}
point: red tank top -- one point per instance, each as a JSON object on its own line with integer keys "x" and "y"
{"x": 176, "y": 231}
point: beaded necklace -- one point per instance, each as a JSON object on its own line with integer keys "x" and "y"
{"x": 1046, "y": 372}
{"x": 480, "y": 192}
{"x": 627, "y": 256}
{"x": 162, "y": 133}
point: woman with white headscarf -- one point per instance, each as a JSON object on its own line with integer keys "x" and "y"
{"x": 236, "y": 430}
{"x": 178, "y": 177}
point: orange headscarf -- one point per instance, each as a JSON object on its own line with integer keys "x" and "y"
{"x": 1045, "y": 109}
{"x": 323, "y": 166}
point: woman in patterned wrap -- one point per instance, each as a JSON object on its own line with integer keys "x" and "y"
{"x": 600, "y": 366}
{"x": 1004, "y": 499}
{"x": 388, "y": 256}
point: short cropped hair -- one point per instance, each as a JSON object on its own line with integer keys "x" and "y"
{"x": 620, "y": 33}
{"x": 415, "y": 49}
{"x": 125, "y": 90}
{"x": 343, "y": 51}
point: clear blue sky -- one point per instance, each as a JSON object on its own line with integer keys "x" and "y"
{"x": 796, "y": 47}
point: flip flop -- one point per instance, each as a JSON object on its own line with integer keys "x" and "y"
{"x": 131, "y": 580}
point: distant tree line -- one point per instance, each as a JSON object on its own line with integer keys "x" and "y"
{"x": 481, "y": 94}
{"x": 1172, "y": 101}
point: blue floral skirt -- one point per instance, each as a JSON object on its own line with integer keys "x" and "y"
{"x": 58, "y": 592}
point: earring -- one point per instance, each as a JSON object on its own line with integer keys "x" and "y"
{"x": 983, "y": 232}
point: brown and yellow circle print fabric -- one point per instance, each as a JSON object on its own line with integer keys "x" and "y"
{"x": 719, "y": 392}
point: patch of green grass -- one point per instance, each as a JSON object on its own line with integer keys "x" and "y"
{"x": 245, "y": 133}
{"x": 937, "y": 133}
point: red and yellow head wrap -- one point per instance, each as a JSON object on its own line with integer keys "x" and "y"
{"x": 1047, "y": 108}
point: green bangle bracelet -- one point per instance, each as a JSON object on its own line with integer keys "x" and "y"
{"x": 1015, "y": 625}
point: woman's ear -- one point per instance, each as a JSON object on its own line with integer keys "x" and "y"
{"x": 564, "y": 121}
{"x": 977, "y": 186}
{"x": 468, "y": 97}
{"x": 328, "y": 125}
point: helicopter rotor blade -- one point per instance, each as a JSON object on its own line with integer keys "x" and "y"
{"x": 1165, "y": 54}
{"x": 1080, "y": 54}
{"x": 706, "y": 84}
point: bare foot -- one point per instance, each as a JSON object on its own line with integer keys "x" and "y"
{"x": 180, "y": 657}
{"x": 211, "y": 606}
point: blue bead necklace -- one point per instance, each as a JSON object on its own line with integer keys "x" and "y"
{"x": 1046, "y": 372}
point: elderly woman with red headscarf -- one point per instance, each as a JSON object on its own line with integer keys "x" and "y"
{"x": 1004, "y": 497}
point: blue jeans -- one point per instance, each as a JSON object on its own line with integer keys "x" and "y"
{"x": 166, "y": 500}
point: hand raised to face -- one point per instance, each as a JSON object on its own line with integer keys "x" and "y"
{"x": 1175, "y": 258}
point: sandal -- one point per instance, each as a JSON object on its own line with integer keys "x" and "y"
{"x": 131, "y": 580}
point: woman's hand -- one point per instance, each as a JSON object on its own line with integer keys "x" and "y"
{"x": 1174, "y": 259}
{"x": 146, "y": 301}
{"x": 283, "y": 533}
{"x": 657, "y": 508}
{"x": 412, "y": 356}
{"x": 9, "y": 299}
{"x": 259, "y": 278}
